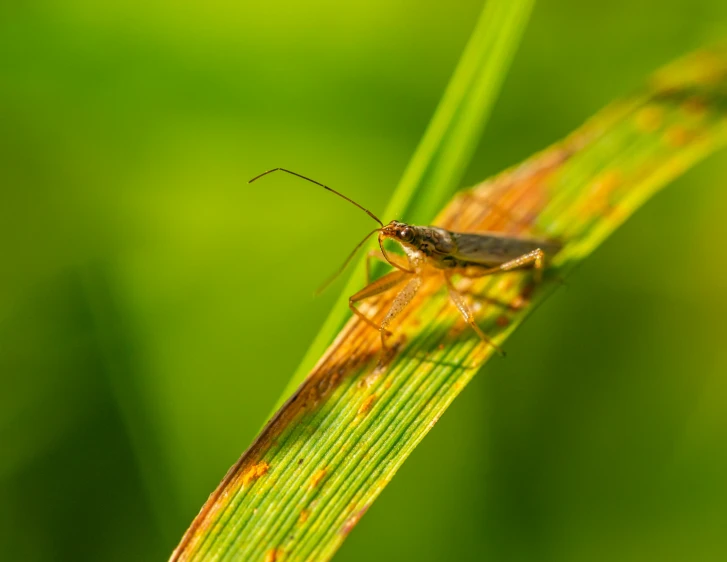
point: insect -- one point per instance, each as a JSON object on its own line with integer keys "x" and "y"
{"x": 432, "y": 250}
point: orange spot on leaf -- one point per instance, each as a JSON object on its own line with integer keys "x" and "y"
{"x": 317, "y": 477}
{"x": 605, "y": 183}
{"x": 695, "y": 106}
{"x": 254, "y": 472}
{"x": 599, "y": 193}
{"x": 366, "y": 406}
{"x": 304, "y": 516}
{"x": 272, "y": 554}
{"x": 649, "y": 119}
{"x": 678, "y": 136}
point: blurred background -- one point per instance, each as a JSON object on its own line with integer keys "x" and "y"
{"x": 153, "y": 305}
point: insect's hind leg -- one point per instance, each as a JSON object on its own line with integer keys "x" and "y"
{"x": 536, "y": 259}
{"x": 461, "y": 304}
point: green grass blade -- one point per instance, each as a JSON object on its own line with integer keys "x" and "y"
{"x": 326, "y": 455}
{"x": 441, "y": 159}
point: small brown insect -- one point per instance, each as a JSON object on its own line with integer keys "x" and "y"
{"x": 432, "y": 250}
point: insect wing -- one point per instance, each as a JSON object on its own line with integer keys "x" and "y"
{"x": 493, "y": 249}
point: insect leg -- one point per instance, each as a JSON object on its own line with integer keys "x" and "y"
{"x": 461, "y": 304}
{"x": 400, "y": 302}
{"x": 379, "y": 286}
{"x": 536, "y": 258}
{"x": 401, "y": 262}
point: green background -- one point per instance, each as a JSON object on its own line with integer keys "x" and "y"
{"x": 153, "y": 305}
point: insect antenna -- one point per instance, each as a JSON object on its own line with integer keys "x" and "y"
{"x": 338, "y": 272}
{"x": 369, "y": 213}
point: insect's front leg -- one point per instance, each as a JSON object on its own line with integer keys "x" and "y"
{"x": 403, "y": 298}
{"x": 399, "y": 262}
{"x": 388, "y": 281}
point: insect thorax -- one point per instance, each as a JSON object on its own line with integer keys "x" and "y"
{"x": 430, "y": 242}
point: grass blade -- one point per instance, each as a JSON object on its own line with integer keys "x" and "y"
{"x": 326, "y": 455}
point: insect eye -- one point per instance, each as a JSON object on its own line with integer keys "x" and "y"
{"x": 406, "y": 234}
